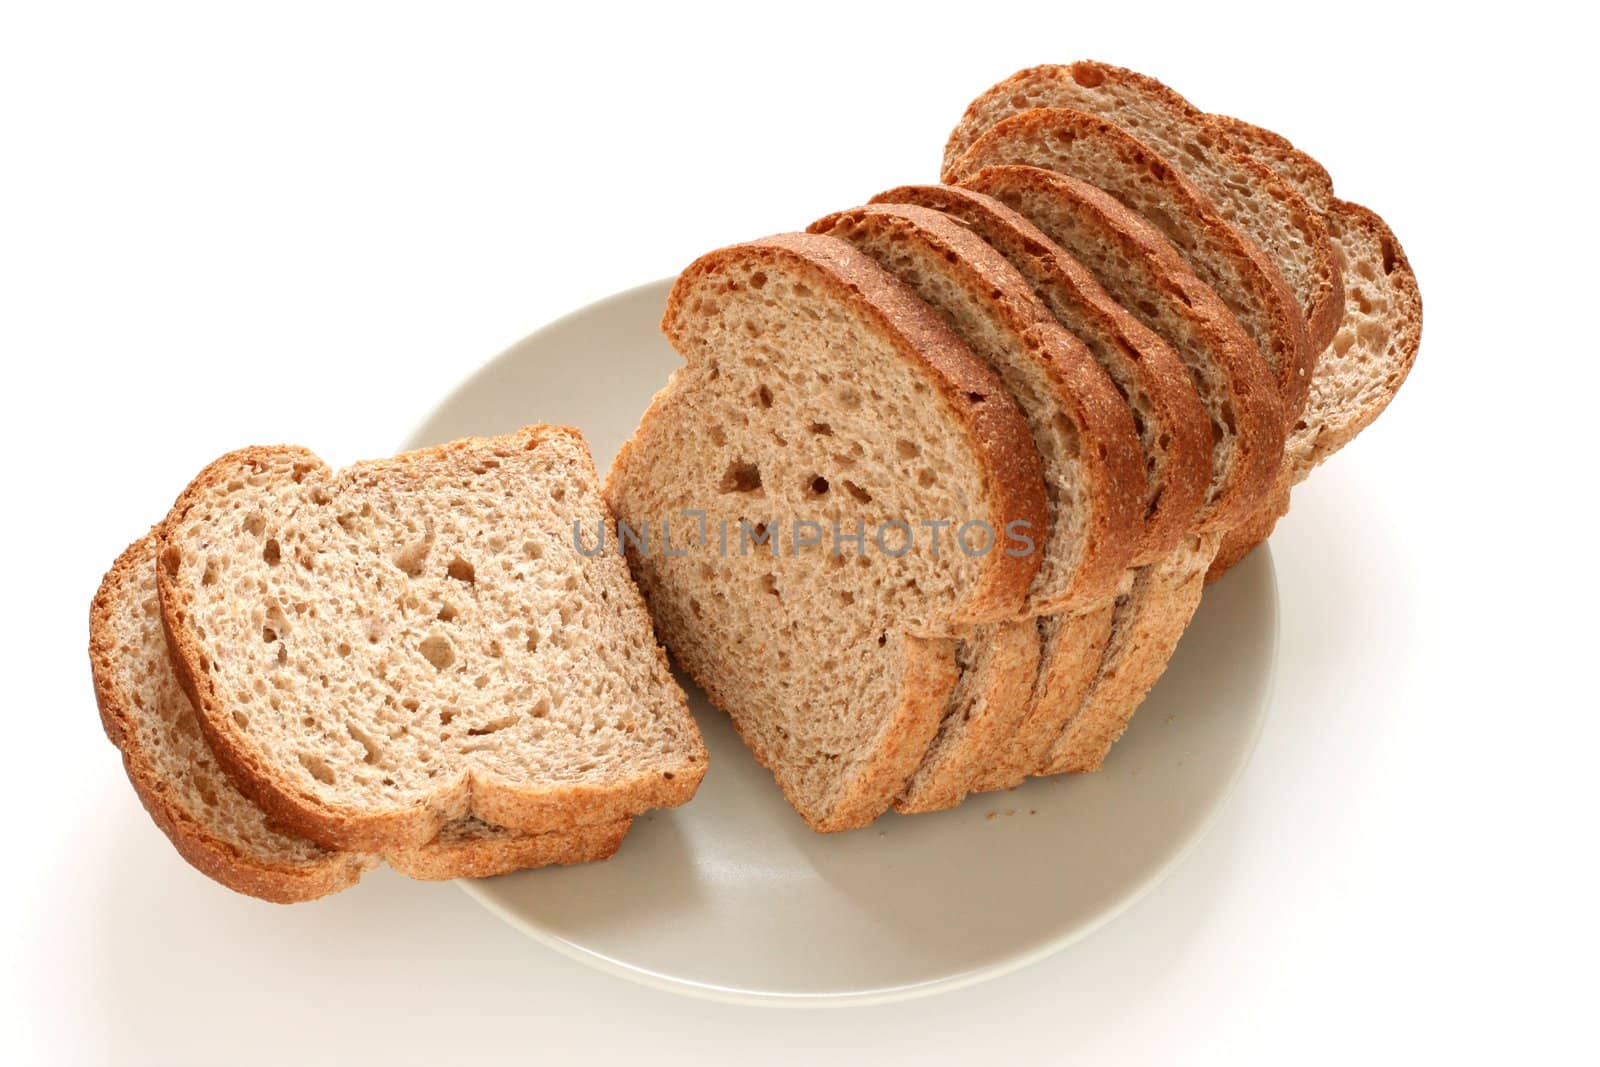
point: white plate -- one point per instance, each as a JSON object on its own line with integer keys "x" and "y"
{"x": 731, "y": 897}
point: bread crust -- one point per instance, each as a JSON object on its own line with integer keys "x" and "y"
{"x": 1137, "y": 102}
{"x": 394, "y": 827}
{"x": 1112, "y": 461}
{"x": 1009, "y": 654}
{"x": 1185, "y": 211}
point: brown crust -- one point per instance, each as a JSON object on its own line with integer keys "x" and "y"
{"x": 1147, "y": 630}
{"x": 1186, "y": 214}
{"x": 1074, "y": 85}
{"x": 945, "y": 775}
{"x": 451, "y": 857}
{"x": 205, "y": 851}
{"x": 397, "y": 827}
{"x": 1111, "y": 459}
{"x": 971, "y": 391}
{"x": 1176, "y": 475}
{"x": 1256, "y": 412}
{"x": 1069, "y": 659}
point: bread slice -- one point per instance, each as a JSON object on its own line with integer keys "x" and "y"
{"x": 1084, "y": 432}
{"x": 1143, "y": 273}
{"x": 1090, "y": 148}
{"x": 1083, "y": 429}
{"x": 147, "y": 715}
{"x": 1174, "y": 428}
{"x": 1360, "y": 372}
{"x": 376, "y": 652}
{"x": 1355, "y": 381}
{"x": 1174, "y": 431}
{"x": 817, "y": 388}
{"x": 1247, "y": 192}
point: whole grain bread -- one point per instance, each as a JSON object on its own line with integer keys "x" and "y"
{"x": 1142, "y": 271}
{"x": 376, "y": 652}
{"x": 1246, "y": 191}
{"x": 1107, "y": 156}
{"x": 147, "y": 715}
{"x": 1081, "y": 426}
{"x": 1084, "y": 432}
{"x": 818, "y": 388}
{"x": 1173, "y": 428}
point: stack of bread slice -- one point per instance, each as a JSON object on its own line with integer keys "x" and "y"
{"x": 413, "y": 660}
{"x": 1123, "y": 324}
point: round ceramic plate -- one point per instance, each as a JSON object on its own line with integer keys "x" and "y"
{"x": 732, "y": 897}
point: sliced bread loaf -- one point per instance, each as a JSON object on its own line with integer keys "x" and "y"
{"x": 1083, "y": 429}
{"x": 1247, "y": 192}
{"x": 820, "y": 394}
{"x": 1094, "y": 150}
{"x": 376, "y": 652}
{"x": 1174, "y": 431}
{"x": 147, "y": 715}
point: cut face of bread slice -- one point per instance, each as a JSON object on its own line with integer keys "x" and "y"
{"x": 1145, "y": 275}
{"x": 1248, "y": 193}
{"x": 378, "y": 651}
{"x": 1361, "y": 371}
{"x": 1083, "y": 430}
{"x": 1094, "y": 150}
{"x": 819, "y": 395}
{"x": 216, "y": 828}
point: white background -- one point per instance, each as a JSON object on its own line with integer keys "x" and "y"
{"x": 304, "y": 223}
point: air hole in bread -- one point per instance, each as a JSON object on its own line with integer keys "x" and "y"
{"x": 241, "y": 720}
{"x": 268, "y": 634}
{"x": 461, "y": 571}
{"x": 255, "y": 525}
{"x": 977, "y": 398}
{"x": 447, "y": 612}
{"x": 758, "y": 280}
{"x": 769, "y": 584}
{"x": 494, "y": 726}
{"x": 317, "y": 767}
{"x": 822, "y": 429}
{"x": 438, "y": 651}
{"x": 818, "y": 486}
{"x": 860, "y": 495}
{"x": 764, "y": 396}
{"x": 741, "y": 477}
{"x": 906, "y": 449}
{"x": 541, "y": 708}
{"x": 271, "y": 553}
{"x": 370, "y": 747}
{"x": 210, "y": 575}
